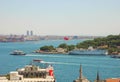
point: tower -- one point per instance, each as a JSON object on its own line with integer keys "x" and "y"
{"x": 81, "y": 78}
{"x": 80, "y": 72}
{"x": 98, "y": 78}
{"x": 27, "y": 33}
{"x": 31, "y": 33}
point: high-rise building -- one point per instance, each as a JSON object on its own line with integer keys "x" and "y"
{"x": 27, "y": 33}
{"x": 31, "y": 33}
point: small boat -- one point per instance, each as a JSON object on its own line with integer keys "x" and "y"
{"x": 115, "y": 56}
{"x": 38, "y": 61}
{"x": 17, "y": 52}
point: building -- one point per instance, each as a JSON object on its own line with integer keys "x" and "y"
{"x": 31, "y": 73}
{"x": 81, "y": 77}
{"x": 31, "y": 33}
{"x": 98, "y": 78}
{"x": 112, "y": 80}
{"x": 27, "y": 33}
{"x": 60, "y": 50}
{"x": 31, "y": 38}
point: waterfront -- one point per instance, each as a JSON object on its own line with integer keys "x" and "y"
{"x": 66, "y": 67}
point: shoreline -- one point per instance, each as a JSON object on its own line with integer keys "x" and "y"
{"x": 43, "y": 52}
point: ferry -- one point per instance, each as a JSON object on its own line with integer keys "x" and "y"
{"x": 89, "y": 52}
{"x": 17, "y": 52}
{"x": 31, "y": 73}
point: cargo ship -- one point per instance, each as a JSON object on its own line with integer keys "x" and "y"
{"x": 31, "y": 73}
{"x": 89, "y": 52}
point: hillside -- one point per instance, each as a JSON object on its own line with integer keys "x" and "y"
{"x": 111, "y": 43}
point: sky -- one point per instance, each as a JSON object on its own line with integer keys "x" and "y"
{"x": 60, "y": 17}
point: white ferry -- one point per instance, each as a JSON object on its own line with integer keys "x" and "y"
{"x": 17, "y": 52}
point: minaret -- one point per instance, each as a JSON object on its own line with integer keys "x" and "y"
{"x": 81, "y": 78}
{"x": 80, "y": 72}
{"x": 97, "y": 77}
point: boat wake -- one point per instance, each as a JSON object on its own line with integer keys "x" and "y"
{"x": 76, "y": 64}
{"x": 70, "y": 56}
{"x": 90, "y": 65}
{"x": 55, "y": 56}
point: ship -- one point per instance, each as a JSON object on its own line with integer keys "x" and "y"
{"x": 115, "y": 56}
{"x": 31, "y": 73}
{"x": 89, "y": 52}
{"x": 17, "y": 52}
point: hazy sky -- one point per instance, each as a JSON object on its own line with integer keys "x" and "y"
{"x": 60, "y": 17}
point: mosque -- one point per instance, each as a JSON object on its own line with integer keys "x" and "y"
{"x": 83, "y": 79}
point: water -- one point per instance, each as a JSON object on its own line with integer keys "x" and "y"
{"x": 66, "y": 67}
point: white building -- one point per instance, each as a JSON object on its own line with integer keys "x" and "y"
{"x": 30, "y": 73}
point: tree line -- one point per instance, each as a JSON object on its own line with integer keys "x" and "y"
{"x": 110, "y": 43}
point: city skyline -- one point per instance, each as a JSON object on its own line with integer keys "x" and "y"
{"x": 60, "y": 17}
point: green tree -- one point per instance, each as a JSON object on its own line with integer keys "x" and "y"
{"x": 70, "y": 47}
{"x": 63, "y": 46}
{"x": 47, "y": 48}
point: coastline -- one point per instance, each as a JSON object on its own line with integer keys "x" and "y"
{"x": 44, "y": 52}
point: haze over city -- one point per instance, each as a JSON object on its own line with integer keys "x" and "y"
{"x": 60, "y": 17}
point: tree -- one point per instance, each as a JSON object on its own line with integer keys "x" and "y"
{"x": 47, "y": 48}
{"x": 64, "y": 46}
{"x": 70, "y": 47}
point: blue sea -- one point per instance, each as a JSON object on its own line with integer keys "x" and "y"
{"x": 66, "y": 67}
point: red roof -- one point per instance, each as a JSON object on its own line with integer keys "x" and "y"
{"x": 113, "y": 80}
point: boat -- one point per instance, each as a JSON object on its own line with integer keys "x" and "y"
{"x": 17, "y": 52}
{"x": 89, "y": 52}
{"x": 31, "y": 73}
{"x": 115, "y": 56}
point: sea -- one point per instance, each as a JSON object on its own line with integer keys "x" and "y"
{"x": 66, "y": 67}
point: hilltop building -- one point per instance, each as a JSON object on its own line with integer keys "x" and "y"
{"x": 81, "y": 77}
